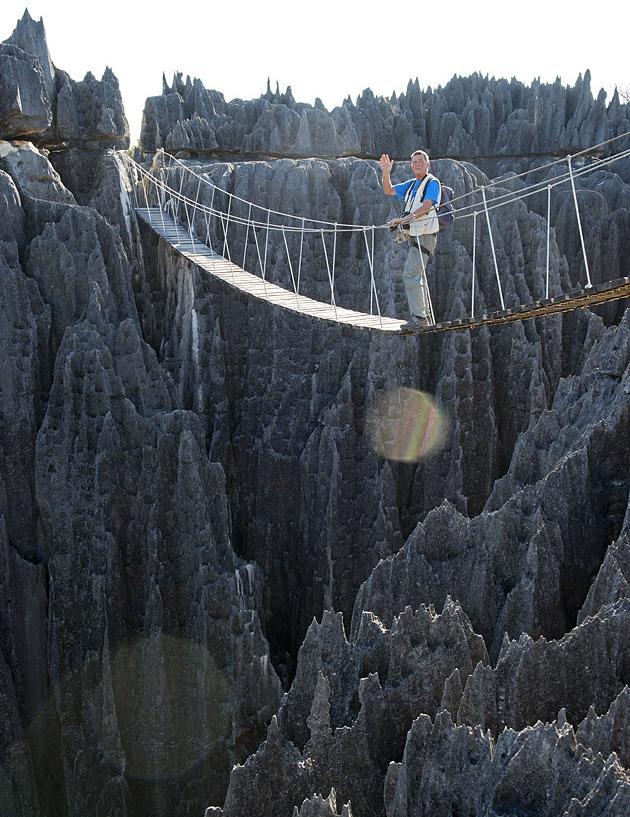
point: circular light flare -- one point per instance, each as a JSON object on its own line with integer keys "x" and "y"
{"x": 406, "y": 425}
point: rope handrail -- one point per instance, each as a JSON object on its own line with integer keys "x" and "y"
{"x": 539, "y": 187}
{"x": 460, "y": 213}
{"x": 246, "y": 201}
{"x": 477, "y": 189}
{"x": 176, "y": 194}
{"x": 494, "y": 181}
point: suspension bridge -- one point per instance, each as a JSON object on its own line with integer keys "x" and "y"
{"x": 208, "y": 230}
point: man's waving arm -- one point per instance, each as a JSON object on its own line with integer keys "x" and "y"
{"x": 386, "y": 167}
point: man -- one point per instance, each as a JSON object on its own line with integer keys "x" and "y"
{"x": 422, "y": 196}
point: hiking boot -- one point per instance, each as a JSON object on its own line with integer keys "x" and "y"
{"x": 415, "y": 323}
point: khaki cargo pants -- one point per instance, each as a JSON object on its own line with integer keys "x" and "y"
{"x": 414, "y": 276}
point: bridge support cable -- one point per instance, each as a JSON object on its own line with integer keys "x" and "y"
{"x": 260, "y": 262}
{"x": 474, "y": 265}
{"x": 286, "y": 247}
{"x": 179, "y": 194}
{"x": 208, "y": 220}
{"x": 378, "y": 307}
{"x": 190, "y": 221}
{"x": 160, "y": 202}
{"x": 494, "y": 254}
{"x": 579, "y": 221}
{"x": 194, "y": 213}
{"x": 548, "y": 238}
{"x": 250, "y": 283}
{"x": 133, "y": 180}
{"x": 208, "y": 242}
{"x": 266, "y": 244}
{"x": 331, "y": 280}
{"x": 175, "y": 208}
{"x": 225, "y": 223}
{"x": 159, "y": 189}
{"x": 226, "y": 227}
{"x": 249, "y": 220}
{"x": 301, "y": 248}
{"x": 425, "y": 284}
{"x": 334, "y": 259}
{"x": 466, "y": 210}
{"x": 373, "y": 292}
{"x": 144, "y": 190}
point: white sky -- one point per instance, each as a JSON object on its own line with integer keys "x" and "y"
{"x": 328, "y": 48}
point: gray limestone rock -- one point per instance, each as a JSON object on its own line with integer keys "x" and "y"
{"x": 186, "y": 473}
{"x": 288, "y": 780}
{"x": 20, "y": 617}
{"x": 25, "y": 107}
{"x": 11, "y": 219}
{"x": 279, "y": 777}
{"x": 32, "y": 173}
{"x": 413, "y": 659}
{"x": 90, "y": 113}
{"x": 43, "y": 103}
{"x": 591, "y": 665}
{"x": 357, "y": 700}
{"x": 161, "y": 581}
{"x": 99, "y": 179}
{"x": 75, "y": 250}
{"x": 84, "y": 729}
{"x": 24, "y": 328}
{"x": 468, "y": 117}
{"x": 613, "y": 578}
{"x": 324, "y": 650}
{"x": 543, "y": 770}
{"x": 318, "y": 807}
{"x": 487, "y": 557}
{"x": 30, "y": 36}
{"x": 609, "y": 732}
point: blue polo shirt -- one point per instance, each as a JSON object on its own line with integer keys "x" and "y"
{"x": 432, "y": 190}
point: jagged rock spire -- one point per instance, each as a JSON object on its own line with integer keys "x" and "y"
{"x": 30, "y": 36}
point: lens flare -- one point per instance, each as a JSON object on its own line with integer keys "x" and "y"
{"x": 406, "y": 425}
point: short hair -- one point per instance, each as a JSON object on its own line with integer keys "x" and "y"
{"x": 420, "y": 153}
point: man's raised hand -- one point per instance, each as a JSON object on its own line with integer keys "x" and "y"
{"x": 386, "y": 163}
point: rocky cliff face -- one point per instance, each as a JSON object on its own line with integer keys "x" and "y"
{"x": 188, "y": 491}
{"x": 44, "y": 104}
{"x": 117, "y": 564}
{"x": 472, "y": 116}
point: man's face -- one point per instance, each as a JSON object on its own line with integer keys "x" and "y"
{"x": 419, "y": 165}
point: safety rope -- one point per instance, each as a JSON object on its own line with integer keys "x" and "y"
{"x": 579, "y": 221}
{"x": 337, "y": 227}
{"x": 474, "y": 265}
{"x": 494, "y": 252}
{"x": 548, "y": 238}
{"x": 510, "y": 197}
{"x": 491, "y": 183}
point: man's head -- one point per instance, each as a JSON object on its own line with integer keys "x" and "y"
{"x": 420, "y": 163}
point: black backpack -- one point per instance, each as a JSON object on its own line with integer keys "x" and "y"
{"x": 446, "y": 211}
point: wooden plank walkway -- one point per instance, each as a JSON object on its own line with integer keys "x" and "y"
{"x": 220, "y": 267}
{"x": 233, "y": 275}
